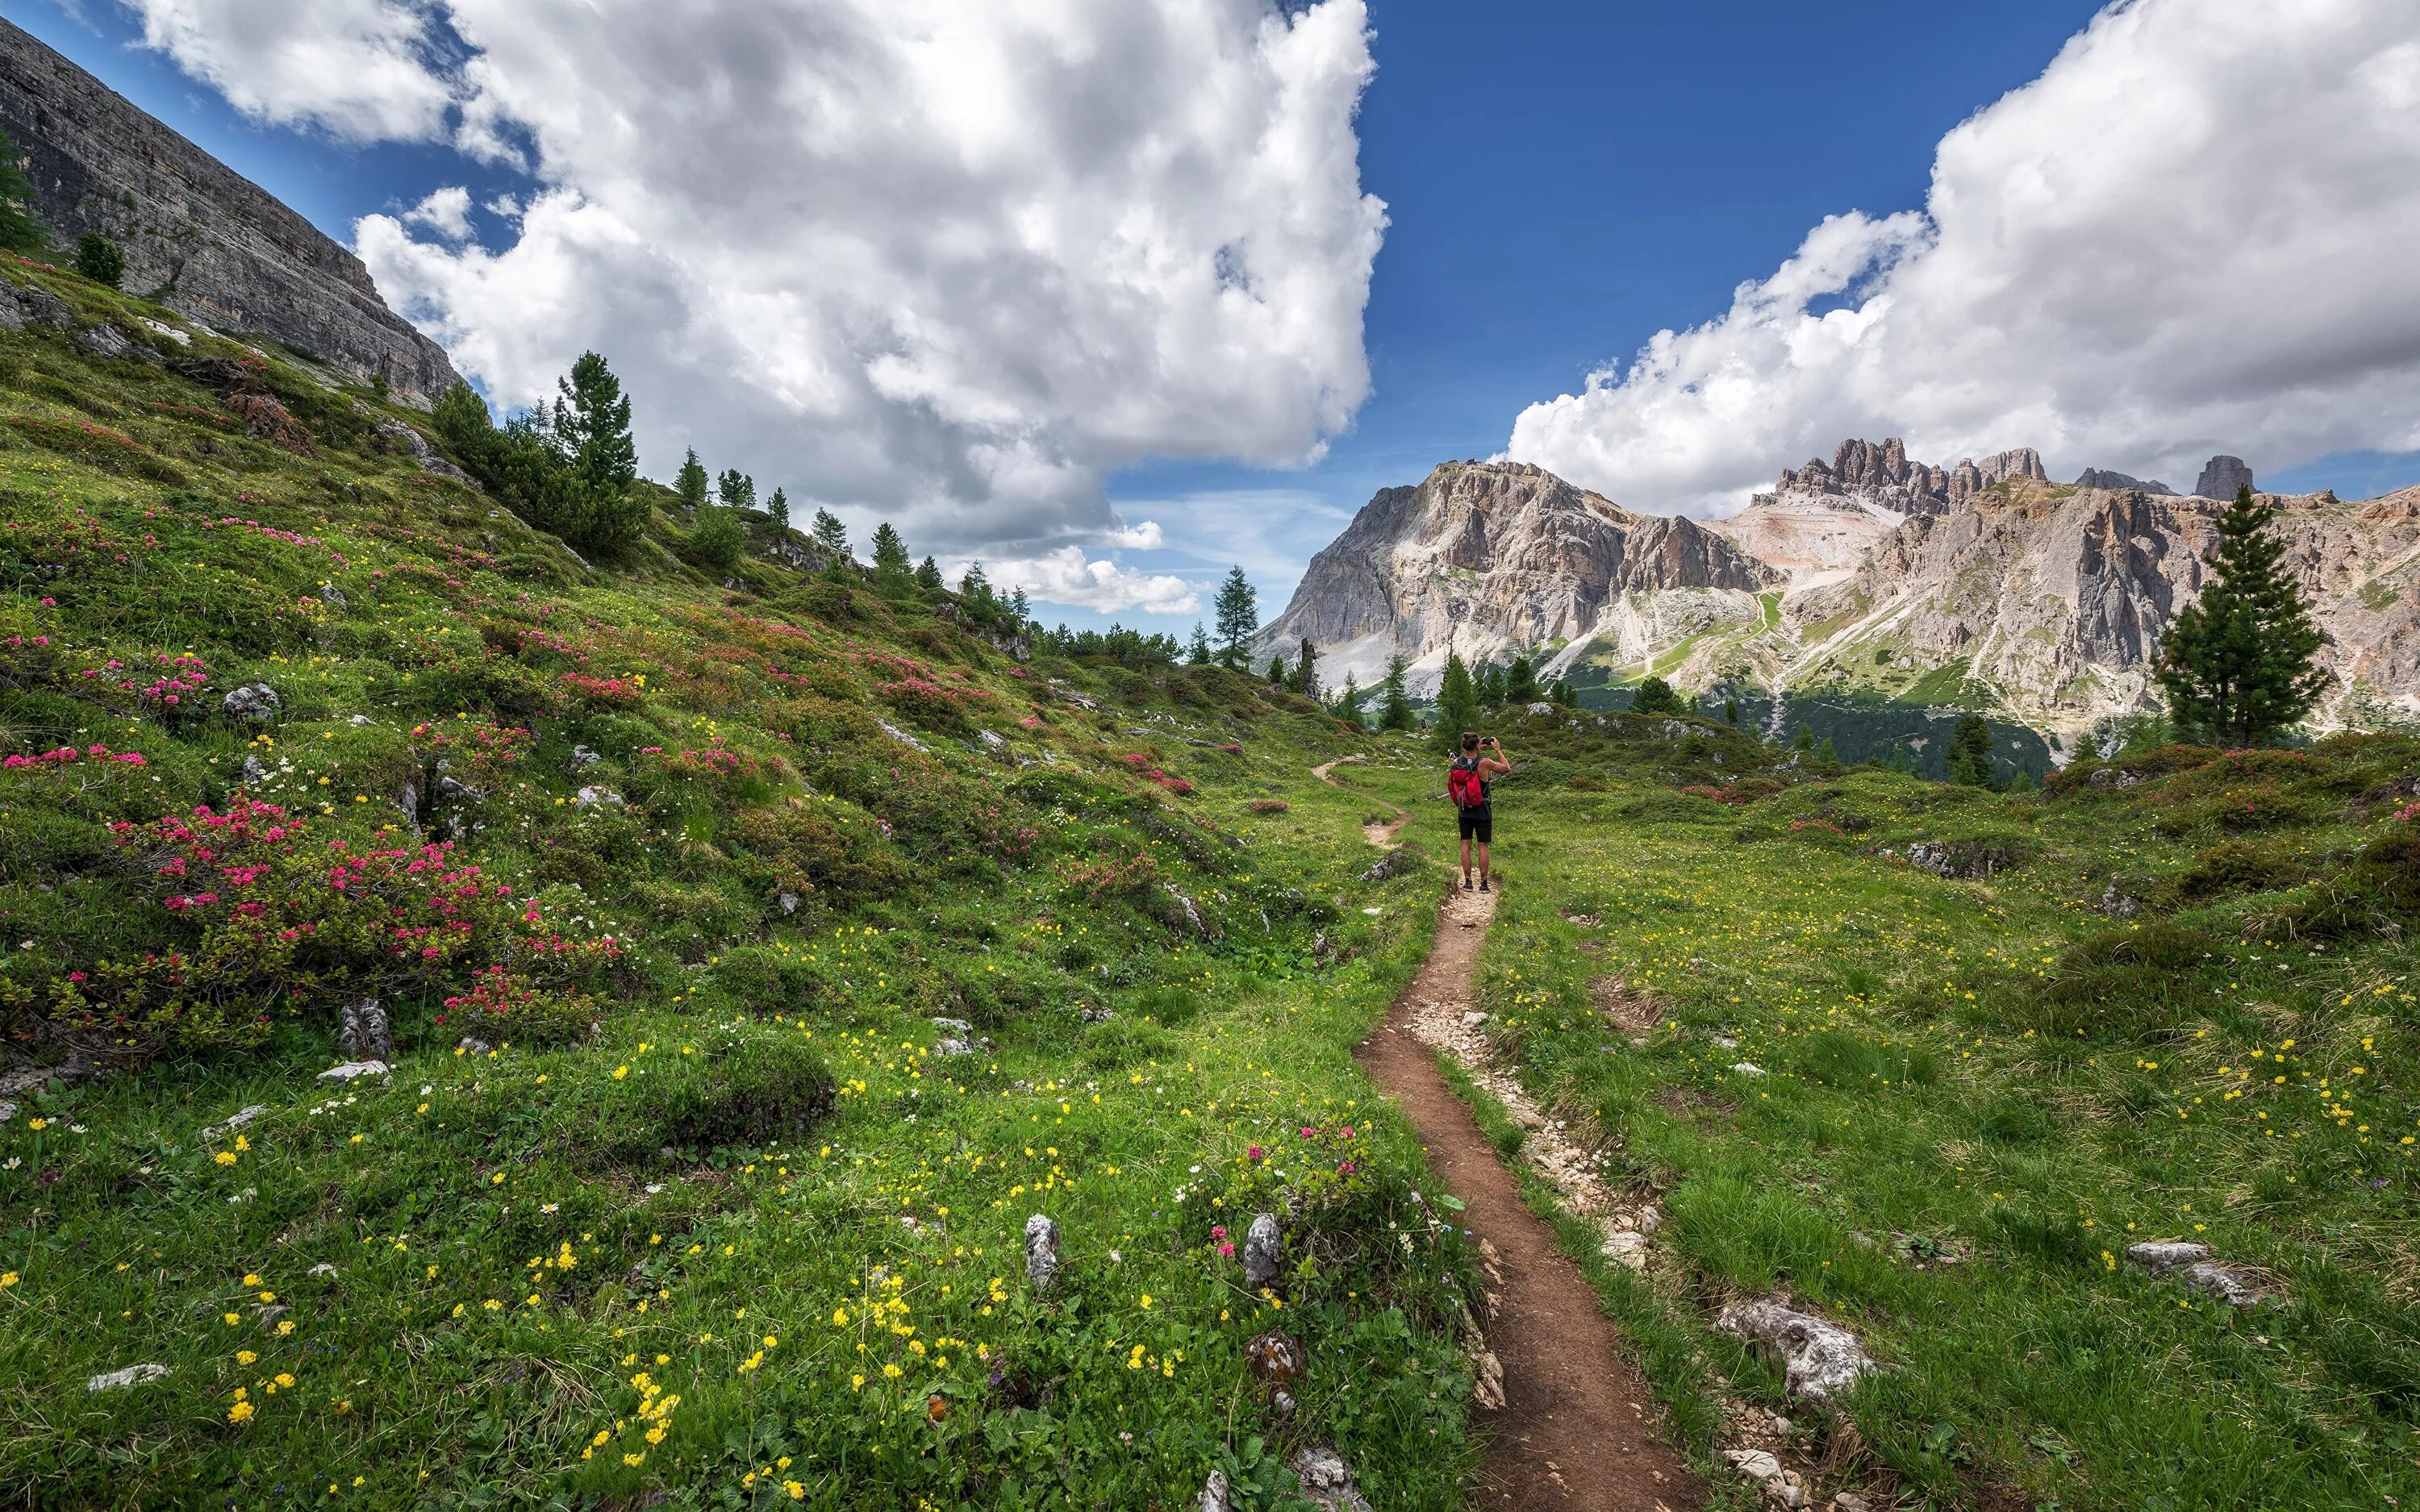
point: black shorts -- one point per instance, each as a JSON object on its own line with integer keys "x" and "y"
{"x": 1478, "y": 823}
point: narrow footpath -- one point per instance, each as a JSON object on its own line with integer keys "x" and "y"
{"x": 1578, "y": 1431}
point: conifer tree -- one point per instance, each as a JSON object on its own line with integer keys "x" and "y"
{"x": 1969, "y": 756}
{"x": 98, "y": 259}
{"x": 1349, "y": 702}
{"x": 1491, "y": 686}
{"x": 928, "y": 576}
{"x": 779, "y": 507}
{"x": 831, "y": 536}
{"x": 1561, "y": 695}
{"x": 19, "y": 232}
{"x": 1655, "y": 695}
{"x": 592, "y": 434}
{"x": 1020, "y": 608}
{"x": 1236, "y": 611}
{"x": 739, "y": 491}
{"x": 1395, "y": 710}
{"x": 1196, "y": 654}
{"x": 2239, "y": 664}
{"x": 1306, "y": 670}
{"x": 895, "y": 570}
{"x": 1457, "y": 704}
{"x": 691, "y": 482}
{"x": 1277, "y": 673}
{"x": 1521, "y": 681}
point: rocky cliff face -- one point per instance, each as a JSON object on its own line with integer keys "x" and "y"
{"x": 198, "y": 237}
{"x": 2051, "y": 602}
{"x": 2103, "y": 478}
{"x": 2223, "y": 478}
{"x": 1981, "y": 585}
{"x": 1487, "y": 559}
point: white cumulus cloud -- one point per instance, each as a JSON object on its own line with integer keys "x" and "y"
{"x": 448, "y": 212}
{"x": 1067, "y": 576}
{"x": 941, "y": 263}
{"x": 2192, "y": 234}
{"x": 360, "y": 69}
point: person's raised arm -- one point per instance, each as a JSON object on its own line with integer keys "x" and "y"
{"x": 1499, "y": 761}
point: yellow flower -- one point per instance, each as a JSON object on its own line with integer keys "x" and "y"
{"x": 224, "y": 1157}
{"x": 855, "y": 1382}
{"x": 245, "y": 1357}
{"x": 286, "y": 1381}
{"x": 240, "y": 1412}
{"x": 231, "y": 1319}
{"x": 251, "y": 1280}
{"x": 7, "y": 1279}
{"x": 798, "y": 1492}
{"x": 285, "y": 1326}
{"x": 620, "y": 1072}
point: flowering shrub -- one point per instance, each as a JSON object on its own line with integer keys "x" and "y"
{"x": 66, "y": 754}
{"x": 936, "y": 705}
{"x": 1746, "y": 790}
{"x": 1109, "y": 876}
{"x": 603, "y": 693}
{"x": 257, "y": 912}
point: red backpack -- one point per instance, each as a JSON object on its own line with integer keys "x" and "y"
{"x": 1464, "y": 786}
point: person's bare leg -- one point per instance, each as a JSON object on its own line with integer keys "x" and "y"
{"x": 1465, "y": 862}
{"x": 1484, "y": 872}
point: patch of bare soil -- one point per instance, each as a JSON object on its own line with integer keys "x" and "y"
{"x": 1578, "y": 1427}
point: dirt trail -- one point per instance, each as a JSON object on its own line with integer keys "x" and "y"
{"x": 1578, "y": 1431}
{"x": 1378, "y": 832}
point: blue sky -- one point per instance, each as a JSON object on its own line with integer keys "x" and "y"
{"x": 1561, "y": 181}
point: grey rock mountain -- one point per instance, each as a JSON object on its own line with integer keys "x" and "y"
{"x": 1484, "y": 559}
{"x": 198, "y": 236}
{"x": 2103, "y": 478}
{"x": 2223, "y": 478}
{"x": 2040, "y": 602}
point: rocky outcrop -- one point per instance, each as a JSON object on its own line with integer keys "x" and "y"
{"x": 1874, "y": 473}
{"x": 2223, "y": 478}
{"x": 198, "y": 236}
{"x": 2054, "y": 600}
{"x": 1485, "y": 560}
{"x": 2103, "y": 478}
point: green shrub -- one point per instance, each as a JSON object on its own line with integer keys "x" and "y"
{"x": 748, "y": 1092}
{"x": 2135, "y": 983}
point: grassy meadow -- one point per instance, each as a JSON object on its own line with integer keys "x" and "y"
{"x": 2180, "y": 1004}
{"x": 761, "y": 953}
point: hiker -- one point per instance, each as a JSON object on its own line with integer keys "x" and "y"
{"x": 1465, "y": 783}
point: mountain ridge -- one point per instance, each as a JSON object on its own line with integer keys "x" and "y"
{"x": 198, "y": 236}
{"x": 1983, "y": 583}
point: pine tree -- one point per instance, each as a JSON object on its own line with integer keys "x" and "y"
{"x": 1521, "y": 681}
{"x": 1561, "y": 695}
{"x": 1020, "y": 608}
{"x": 831, "y": 536}
{"x": 1236, "y": 611}
{"x": 1656, "y": 696}
{"x": 894, "y": 571}
{"x": 1306, "y": 670}
{"x": 2239, "y": 663}
{"x": 1970, "y": 752}
{"x": 738, "y": 491}
{"x": 19, "y": 232}
{"x": 1457, "y": 704}
{"x": 98, "y": 259}
{"x": 592, "y": 434}
{"x": 691, "y": 482}
{"x": 779, "y": 507}
{"x": 928, "y": 576}
{"x": 1395, "y": 710}
{"x": 1277, "y": 672}
{"x": 1804, "y": 739}
{"x": 1349, "y": 702}
{"x": 1491, "y": 686}
{"x": 1196, "y": 654}
{"x": 973, "y": 583}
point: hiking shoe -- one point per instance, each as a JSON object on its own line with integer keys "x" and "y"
{"x": 1482, "y": 884}
{"x": 1465, "y": 884}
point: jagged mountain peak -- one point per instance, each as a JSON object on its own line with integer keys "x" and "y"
{"x": 1486, "y": 559}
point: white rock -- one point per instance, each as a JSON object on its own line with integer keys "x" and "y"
{"x": 1327, "y": 1480}
{"x": 1041, "y": 1252}
{"x": 354, "y": 1070}
{"x": 1819, "y": 1359}
{"x": 235, "y": 1120}
{"x": 134, "y": 1375}
{"x": 595, "y": 797}
{"x": 323, "y": 1268}
{"x": 1754, "y": 1463}
{"x": 1263, "y": 1254}
{"x": 1214, "y": 1493}
{"x": 900, "y": 735}
{"x": 2161, "y": 1255}
{"x": 1746, "y": 1068}
{"x": 2238, "y": 1286}
{"x": 1628, "y": 1248}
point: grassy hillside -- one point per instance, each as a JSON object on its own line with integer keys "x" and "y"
{"x": 759, "y": 959}
{"x": 2170, "y": 998}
